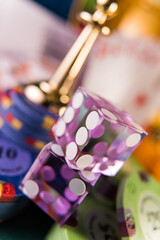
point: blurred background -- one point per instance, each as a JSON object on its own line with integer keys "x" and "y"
{"x": 124, "y": 67}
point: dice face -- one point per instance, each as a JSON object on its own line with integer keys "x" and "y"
{"x": 55, "y": 187}
{"x": 93, "y": 125}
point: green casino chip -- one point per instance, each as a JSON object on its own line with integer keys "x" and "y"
{"x": 95, "y": 221}
{"x": 138, "y": 207}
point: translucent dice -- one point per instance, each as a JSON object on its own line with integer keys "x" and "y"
{"x": 91, "y": 138}
{"x": 55, "y": 187}
{"x": 95, "y": 126}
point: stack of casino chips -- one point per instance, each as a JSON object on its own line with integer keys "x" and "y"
{"x": 14, "y": 163}
{"x": 24, "y": 129}
{"x": 25, "y": 123}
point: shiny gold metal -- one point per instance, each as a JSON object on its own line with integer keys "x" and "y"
{"x": 56, "y": 92}
{"x": 77, "y": 65}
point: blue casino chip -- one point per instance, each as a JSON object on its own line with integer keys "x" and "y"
{"x": 35, "y": 115}
{"x": 27, "y": 124}
{"x": 38, "y": 108}
{"x": 24, "y": 131}
{"x": 14, "y": 163}
{"x": 20, "y": 140}
{"x": 24, "y": 118}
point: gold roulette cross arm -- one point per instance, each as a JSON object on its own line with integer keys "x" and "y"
{"x": 56, "y": 92}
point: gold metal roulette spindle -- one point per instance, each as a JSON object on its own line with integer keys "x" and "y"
{"x": 56, "y": 93}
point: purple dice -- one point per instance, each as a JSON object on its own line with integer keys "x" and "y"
{"x": 55, "y": 187}
{"x": 106, "y": 135}
{"x": 91, "y": 138}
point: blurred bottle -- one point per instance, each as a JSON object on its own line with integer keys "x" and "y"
{"x": 127, "y": 64}
{"x": 148, "y": 154}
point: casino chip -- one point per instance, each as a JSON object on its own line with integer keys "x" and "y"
{"x": 25, "y": 123}
{"x": 138, "y": 207}
{"x": 24, "y": 127}
{"x": 14, "y": 163}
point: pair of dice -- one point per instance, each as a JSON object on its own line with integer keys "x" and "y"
{"x": 91, "y": 138}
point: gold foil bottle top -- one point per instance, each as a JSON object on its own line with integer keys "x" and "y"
{"x": 151, "y": 5}
{"x": 142, "y": 19}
